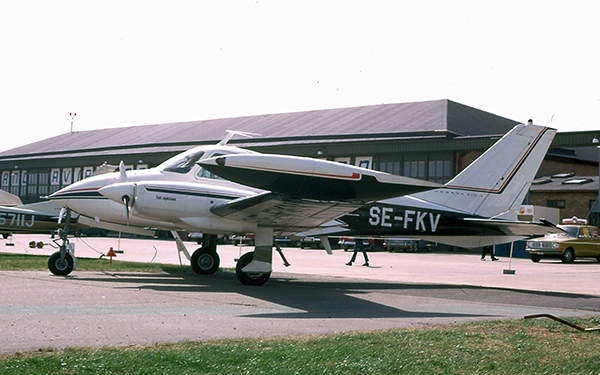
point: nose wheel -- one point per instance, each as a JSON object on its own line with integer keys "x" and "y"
{"x": 60, "y": 266}
{"x": 62, "y": 262}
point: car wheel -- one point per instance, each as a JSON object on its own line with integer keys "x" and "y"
{"x": 568, "y": 256}
{"x": 535, "y": 257}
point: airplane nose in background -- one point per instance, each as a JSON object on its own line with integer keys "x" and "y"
{"x": 116, "y": 192}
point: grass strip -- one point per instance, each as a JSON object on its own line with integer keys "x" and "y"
{"x": 490, "y": 347}
{"x": 26, "y": 262}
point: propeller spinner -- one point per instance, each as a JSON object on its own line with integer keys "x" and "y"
{"x": 122, "y": 192}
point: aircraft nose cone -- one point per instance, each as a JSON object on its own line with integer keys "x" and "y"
{"x": 116, "y": 192}
{"x": 61, "y": 197}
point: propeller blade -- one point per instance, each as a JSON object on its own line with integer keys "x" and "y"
{"x": 126, "y": 201}
{"x": 62, "y": 213}
{"x": 122, "y": 172}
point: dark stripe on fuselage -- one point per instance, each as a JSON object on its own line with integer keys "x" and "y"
{"x": 163, "y": 190}
{"x": 77, "y": 195}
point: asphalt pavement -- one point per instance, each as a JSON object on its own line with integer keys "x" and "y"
{"x": 317, "y": 294}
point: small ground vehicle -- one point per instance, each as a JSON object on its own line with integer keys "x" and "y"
{"x": 578, "y": 241}
{"x": 373, "y": 243}
{"x": 405, "y": 244}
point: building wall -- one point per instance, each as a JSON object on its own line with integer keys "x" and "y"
{"x": 576, "y": 203}
{"x": 551, "y": 166}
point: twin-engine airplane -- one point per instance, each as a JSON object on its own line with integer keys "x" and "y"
{"x": 41, "y": 217}
{"x": 477, "y": 208}
{"x": 267, "y": 194}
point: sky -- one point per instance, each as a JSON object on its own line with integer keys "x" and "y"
{"x": 126, "y": 63}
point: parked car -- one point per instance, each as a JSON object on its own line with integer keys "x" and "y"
{"x": 578, "y": 241}
{"x": 285, "y": 241}
{"x": 373, "y": 243}
{"x": 406, "y": 244}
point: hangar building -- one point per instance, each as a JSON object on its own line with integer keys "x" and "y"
{"x": 431, "y": 140}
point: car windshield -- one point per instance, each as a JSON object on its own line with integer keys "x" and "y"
{"x": 572, "y": 231}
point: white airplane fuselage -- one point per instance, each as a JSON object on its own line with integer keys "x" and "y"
{"x": 156, "y": 190}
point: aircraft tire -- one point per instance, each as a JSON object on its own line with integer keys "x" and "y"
{"x": 60, "y": 267}
{"x": 205, "y": 261}
{"x": 250, "y": 279}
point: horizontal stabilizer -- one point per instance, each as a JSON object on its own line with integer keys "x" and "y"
{"x": 308, "y": 178}
{"x": 517, "y": 228}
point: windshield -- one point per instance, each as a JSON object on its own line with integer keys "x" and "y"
{"x": 571, "y": 230}
{"x": 182, "y": 163}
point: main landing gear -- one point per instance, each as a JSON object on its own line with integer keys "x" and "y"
{"x": 253, "y": 268}
{"x": 205, "y": 260}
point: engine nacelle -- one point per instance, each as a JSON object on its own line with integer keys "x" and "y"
{"x": 175, "y": 202}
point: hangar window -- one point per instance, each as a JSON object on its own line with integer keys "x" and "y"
{"x": 391, "y": 167}
{"x": 43, "y": 181}
{"x": 414, "y": 169}
{"x": 32, "y": 185}
{"x": 439, "y": 171}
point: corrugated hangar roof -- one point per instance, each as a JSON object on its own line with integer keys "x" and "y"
{"x": 438, "y": 116}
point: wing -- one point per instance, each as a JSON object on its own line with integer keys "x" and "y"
{"x": 307, "y": 178}
{"x": 284, "y": 214}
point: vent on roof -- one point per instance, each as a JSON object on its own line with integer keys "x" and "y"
{"x": 563, "y": 175}
{"x": 577, "y": 181}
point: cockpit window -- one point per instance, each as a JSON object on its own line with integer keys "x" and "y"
{"x": 203, "y": 173}
{"x": 184, "y": 163}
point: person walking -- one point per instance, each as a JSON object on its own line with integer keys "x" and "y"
{"x": 358, "y": 246}
{"x": 488, "y": 250}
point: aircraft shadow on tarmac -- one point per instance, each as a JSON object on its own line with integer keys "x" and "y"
{"x": 329, "y": 297}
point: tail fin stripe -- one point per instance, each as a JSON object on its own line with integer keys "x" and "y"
{"x": 511, "y": 174}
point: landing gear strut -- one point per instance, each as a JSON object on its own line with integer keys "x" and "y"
{"x": 254, "y": 268}
{"x": 205, "y": 260}
{"x": 62, "y": 262}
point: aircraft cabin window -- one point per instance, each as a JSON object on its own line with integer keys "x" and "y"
{"x": 185, "y": 164}
{"x": 203, "y": 173}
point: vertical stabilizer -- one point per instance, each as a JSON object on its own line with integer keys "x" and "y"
{"x": 499, "y": 179}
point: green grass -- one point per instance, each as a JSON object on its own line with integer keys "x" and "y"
{"x": 25, "y": 262}
{"x": 494, "y": 347}
{"x": 538, "y": 346}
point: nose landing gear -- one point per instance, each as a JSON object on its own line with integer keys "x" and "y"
{"x": 62, "y": 262}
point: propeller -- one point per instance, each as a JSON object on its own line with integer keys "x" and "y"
{"x": 122, "y": 171}
{"x": 126, "y": 201}
{"x": 121, "y": 192}
{"x": 62, "y": 213}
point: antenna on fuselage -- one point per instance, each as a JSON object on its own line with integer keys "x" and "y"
{"x": 231, "y": 133}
